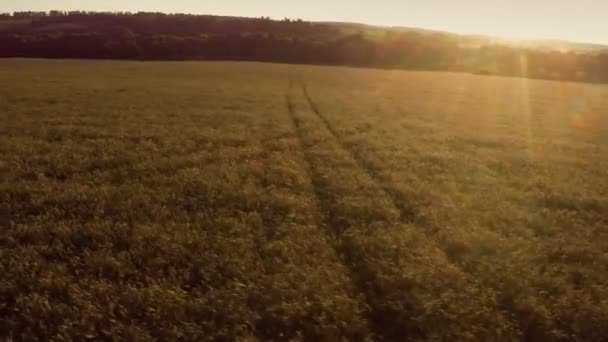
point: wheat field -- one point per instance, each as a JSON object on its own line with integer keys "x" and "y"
{"x": 187, "y": 201}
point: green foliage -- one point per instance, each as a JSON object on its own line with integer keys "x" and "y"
{"x": 242, "y": 201}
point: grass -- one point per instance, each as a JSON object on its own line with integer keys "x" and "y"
{"x": 243, "y": 201}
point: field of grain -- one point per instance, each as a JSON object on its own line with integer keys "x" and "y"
{"x": 242, "y": 201}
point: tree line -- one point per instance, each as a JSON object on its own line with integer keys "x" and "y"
{"x": 159, "y": 36}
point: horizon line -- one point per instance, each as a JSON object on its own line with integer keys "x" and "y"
{"x": 530, "y": 38}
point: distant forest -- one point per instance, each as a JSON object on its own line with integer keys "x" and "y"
{"x": 158, "y": 36}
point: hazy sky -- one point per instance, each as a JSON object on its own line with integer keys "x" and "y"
{"x": 578, "y": 20}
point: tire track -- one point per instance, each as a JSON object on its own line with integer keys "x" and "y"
{"x": 345, "y": 254}
{"x": 406, "y": 212}
{"x": 407, "y": 215}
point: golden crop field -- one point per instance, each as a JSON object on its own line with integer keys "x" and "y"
{"x": 243, "y": 201}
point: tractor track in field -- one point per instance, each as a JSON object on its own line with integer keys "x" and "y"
{"x": 345, "y": 254}
{"x": 406, "y": 213}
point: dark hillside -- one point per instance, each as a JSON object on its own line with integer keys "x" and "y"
{"x": 158, "y": 36}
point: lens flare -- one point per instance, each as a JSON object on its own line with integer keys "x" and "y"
{"x": 578, "y": 121}
{"x": 584, "y": 118}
